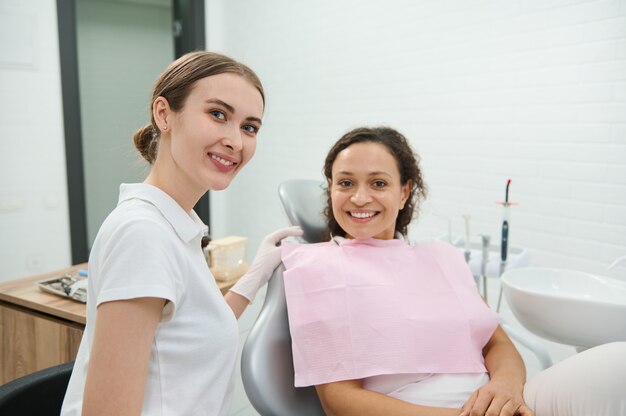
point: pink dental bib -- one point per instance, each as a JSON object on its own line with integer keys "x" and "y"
{"x": 362, "y": 308}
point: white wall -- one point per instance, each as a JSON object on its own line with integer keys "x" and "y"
{"x": 34, "y": 224}
{"x": 486, "y": 90}
{"x": 34, "y": 214}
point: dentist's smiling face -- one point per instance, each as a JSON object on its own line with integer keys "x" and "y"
{"x": 366, "y": 191}
{"x": 214, "y": 135}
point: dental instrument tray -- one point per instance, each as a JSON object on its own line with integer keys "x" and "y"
{"x": 71, "y": 286}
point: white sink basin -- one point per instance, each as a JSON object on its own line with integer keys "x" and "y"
{"x": 567, "y": 306}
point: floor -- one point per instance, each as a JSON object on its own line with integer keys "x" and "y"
{"x": 557, "y": 352}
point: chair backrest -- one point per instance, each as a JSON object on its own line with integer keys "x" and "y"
{"x": 37, "y": 394}
{"x": 266, "y": 360}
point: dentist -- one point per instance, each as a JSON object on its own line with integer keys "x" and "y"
{"x": 160, "y": 338}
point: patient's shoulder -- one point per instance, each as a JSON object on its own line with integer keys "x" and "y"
{"x": 290, "y": 250}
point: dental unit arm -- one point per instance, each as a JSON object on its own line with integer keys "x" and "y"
{"x": 467, "y": 252}
{"x": 506, "y": 218}
{"x": 483, "y": 265}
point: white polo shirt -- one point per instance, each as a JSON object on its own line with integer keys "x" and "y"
{"x": 150, "y": 247}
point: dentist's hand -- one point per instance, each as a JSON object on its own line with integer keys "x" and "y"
{"x": 266, "y": 260}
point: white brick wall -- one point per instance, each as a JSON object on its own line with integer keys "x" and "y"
{"x": 533, "y": 90}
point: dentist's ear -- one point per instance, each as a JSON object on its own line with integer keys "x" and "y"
{"x": 161, "y": 112}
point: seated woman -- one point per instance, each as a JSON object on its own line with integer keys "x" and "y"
{"x": 382, "y": 327}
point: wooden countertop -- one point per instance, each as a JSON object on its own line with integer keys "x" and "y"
{"x": 24, "y": 292}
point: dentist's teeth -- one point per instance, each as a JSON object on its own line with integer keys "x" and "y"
{"x": 362, "y": 214}
{"x": 222, "y": 161}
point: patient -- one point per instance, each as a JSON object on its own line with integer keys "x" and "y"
{"x": 382, "y": 327}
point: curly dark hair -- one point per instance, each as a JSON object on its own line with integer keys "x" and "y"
{"x": 408, "y": 165}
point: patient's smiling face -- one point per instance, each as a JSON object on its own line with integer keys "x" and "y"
{"x": 366, "y": 191}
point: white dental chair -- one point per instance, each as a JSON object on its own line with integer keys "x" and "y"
{"x": 266, "y": 360}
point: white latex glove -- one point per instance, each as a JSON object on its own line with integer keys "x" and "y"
{"x": 266, "y": 260}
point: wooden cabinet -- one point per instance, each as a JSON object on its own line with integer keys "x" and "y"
{"x": 32, "y": 341}
{"x": 40, "y": 329}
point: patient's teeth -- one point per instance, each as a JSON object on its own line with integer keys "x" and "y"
{"x": 362, "y": 214}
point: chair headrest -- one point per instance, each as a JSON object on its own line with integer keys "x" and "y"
{"x": 304, "y": 201}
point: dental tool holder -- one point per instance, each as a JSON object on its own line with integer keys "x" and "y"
{"x": 518, "y": 257}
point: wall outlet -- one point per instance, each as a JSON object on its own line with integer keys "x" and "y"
{"x": 34, "y": 262}
{"x": 9, "y": 203}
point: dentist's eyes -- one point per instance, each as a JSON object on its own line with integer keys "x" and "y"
{"x": 218, "y": 114}
{"x": 250, "y": 129}
{"x": 344, "y": 183}
{"x": 379, "y": 184}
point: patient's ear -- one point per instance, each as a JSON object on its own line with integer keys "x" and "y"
{"x": 405, "y": 192}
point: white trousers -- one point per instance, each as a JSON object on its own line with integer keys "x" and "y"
{"x": 591, "y": 383}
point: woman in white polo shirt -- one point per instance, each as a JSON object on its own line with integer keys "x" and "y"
{"x": 160, "y": 338}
